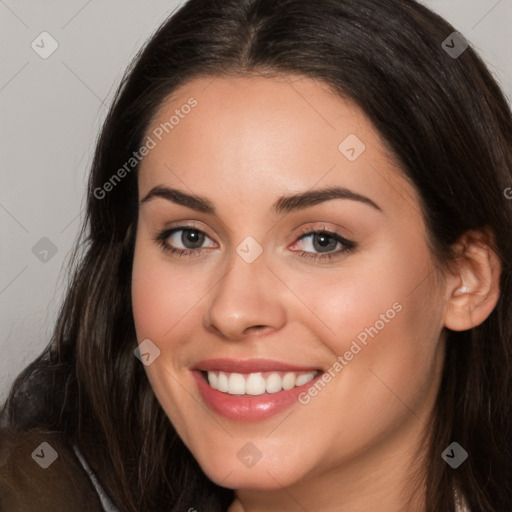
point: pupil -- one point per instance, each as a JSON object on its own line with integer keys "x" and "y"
{"x": 324, "y": 242}
{"x": 192, "y": 238}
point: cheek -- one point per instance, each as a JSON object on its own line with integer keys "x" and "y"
{"x": 162, "y": 302}
{"x": 161, "y": 296}
{"x": 376, "y": 316}
{"x": 150, "y": 297}
{"x": 368, "y": 295}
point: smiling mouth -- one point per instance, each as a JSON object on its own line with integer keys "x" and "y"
{"x": 258, "y": 383}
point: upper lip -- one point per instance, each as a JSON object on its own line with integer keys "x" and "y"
{"x": 249, "y": 366}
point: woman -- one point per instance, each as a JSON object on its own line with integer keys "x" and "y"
{"x": 294, "y": 288}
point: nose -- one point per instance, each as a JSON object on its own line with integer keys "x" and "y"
{"x": 245, "y": 301}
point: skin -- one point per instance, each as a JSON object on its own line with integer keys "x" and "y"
{"x": 356, "y": 446}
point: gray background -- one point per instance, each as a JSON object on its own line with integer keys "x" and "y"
{"x": 51, "y": 111}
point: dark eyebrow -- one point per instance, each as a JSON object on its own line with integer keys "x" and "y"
{"x": 312, "y": 197}
{"x": 283, "y": 204}
{"x": 189, "y": 200}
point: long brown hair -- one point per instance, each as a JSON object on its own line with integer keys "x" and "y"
{"x": 450, "y": 128}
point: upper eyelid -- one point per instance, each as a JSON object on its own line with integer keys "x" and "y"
{"x": 307, "y": 231}
{"x": 185, "y": 227}
{"x": 303, "y": 234}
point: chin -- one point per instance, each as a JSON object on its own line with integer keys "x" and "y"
{"x": 263, "y": 477}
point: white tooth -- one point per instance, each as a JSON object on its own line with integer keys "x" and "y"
{"x": 304, "y": 378}
{"x": 213, "y": 380}
{"x": 222, "y": 382}
{"x": 289, "y": 381}
{"x": 274, "y": 383}
{"x": 255, "y": 384}
{"x": 236, "y": 384}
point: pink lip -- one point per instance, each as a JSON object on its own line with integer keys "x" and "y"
{"x": 249, "y": 366}
{"x": 246, "y": 407}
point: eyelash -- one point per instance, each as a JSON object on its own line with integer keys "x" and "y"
{"x": 349, "y": 246}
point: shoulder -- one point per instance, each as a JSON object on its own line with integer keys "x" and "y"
{"x": 40, "y": 472}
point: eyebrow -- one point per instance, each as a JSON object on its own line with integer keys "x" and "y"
{"x": 282, "y": 205}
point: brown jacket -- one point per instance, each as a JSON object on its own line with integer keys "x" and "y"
{"x": 41, "y": 473}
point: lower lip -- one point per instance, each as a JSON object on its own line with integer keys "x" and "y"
{"x": 247, "y": 407}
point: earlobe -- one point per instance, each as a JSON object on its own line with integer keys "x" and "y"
{"x": 474, "y": 291}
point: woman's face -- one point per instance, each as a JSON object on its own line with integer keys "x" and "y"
{"x": 306, "y": 258}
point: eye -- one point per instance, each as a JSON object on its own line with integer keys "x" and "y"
{"x": 183, "y": 240}
{"x": 188, "y": 241}
{"x": 323, "y": 244}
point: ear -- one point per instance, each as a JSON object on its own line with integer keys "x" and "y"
{"x": 473, "y": 285}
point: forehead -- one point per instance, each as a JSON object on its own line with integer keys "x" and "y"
{"x": 271, "y": 134}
